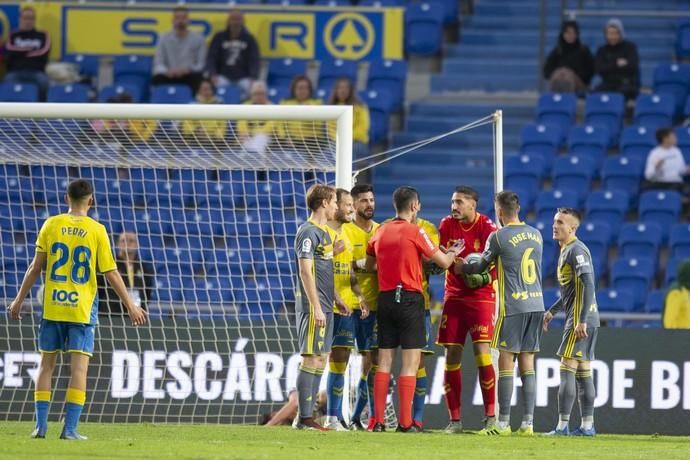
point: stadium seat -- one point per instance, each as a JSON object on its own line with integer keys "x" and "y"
{"x": 655, "y": 301}
{"x": 673, "y": 80}
{"x": 615, "y": 301}
{"x": 660, "y": 206}
{"x": 171, "y": 94}
{"x": 331, "y": 70}
{"x": 550, "y": 248}
{"x": 549, "y": 201}
{"x": 382, "y": 3}
{"x": 278, "y": 93}
{"x": 133, "y": 69}
{"x": 679, "y": 241}
{"x": 683, "y": 135}
{"x": 88, "y": 64}
{"x": 589, "y": 141}
{"x": 389, "y": 76}
{"x": 286, "y": 2}
{"x": 654, "y": 110}
{"x": 524, "y": 173}
{"x": 636, "y": 141}
{"x": 633, "y": 275}
{"x": 281, "y": 72}
{"x": 672, "y": 270}
{"x": 551, "y": 295}
{"x": 683, "y": 39}
{"x": 168, "y": 288}
{"x": 557, "y": 109}
{"x": 229, "y": 95}
{"x": 641, "y": 239}
{"x": 597, "y": 236}
{"x": 333, "y": 3}
{"x": 622, "y": 174}
{"x": 573, "y": 175}
{"x": 75, "y": 93}
{"x": 606, "y": 110}
{"x": 424, "y": 28}
{"x": 608, "y": 207}
{"x": 113, "y": 91}
{"x": 18, "y": 92}
{"x": 541, "y": 139}
{"x": 380, "y": 104}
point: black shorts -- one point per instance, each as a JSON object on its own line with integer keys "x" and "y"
{"x": 401, "y": 324}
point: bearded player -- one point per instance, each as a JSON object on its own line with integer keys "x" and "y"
{"x": 469, "y": 306}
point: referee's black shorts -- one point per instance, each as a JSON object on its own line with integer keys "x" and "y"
{"x": 401, "y": 324}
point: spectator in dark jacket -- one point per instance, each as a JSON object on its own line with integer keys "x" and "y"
{"x": 570, "y": 65}
{"x": 137, "y": 275}
{"x": 617, "y": 62}
{"x": 233, "y": 57}
{"x": 27, "y": 53}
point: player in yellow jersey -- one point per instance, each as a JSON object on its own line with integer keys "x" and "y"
{"x": 348, "y": 297}
{"x": 358, "y": 233}
{"x": 71, "y": 247}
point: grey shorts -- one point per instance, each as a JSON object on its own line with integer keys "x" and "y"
{"x": 314, "y": 340}
{"x": 578, "y": 349}
{"x": 519, "y": 333}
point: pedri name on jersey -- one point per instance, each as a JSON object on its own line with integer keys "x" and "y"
{"x": 524, "y": 236}
{"x": 75, "y": 231}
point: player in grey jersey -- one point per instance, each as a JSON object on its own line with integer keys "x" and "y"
{"x": 516, "y": 249}
{"x": 576, "y": 280}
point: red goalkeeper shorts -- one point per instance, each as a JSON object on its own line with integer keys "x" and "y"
{"x": 461, "y": 317}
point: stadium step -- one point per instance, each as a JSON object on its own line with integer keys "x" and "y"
{"x": 446, "y": 123}
{"x": 475, "y": 110}
{"x": 531, "y": 37}
{"x": 483, "y": 82}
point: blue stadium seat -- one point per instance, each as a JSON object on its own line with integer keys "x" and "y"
{"x": 660, "y": 206}
{"x": 541, "y": 139}
{"x": 281, "y": 72}
{"x": 229, "y": 95}
{"x": 551, "y": 295}
{"x": 88, "y": 64}
{"x": 655, "y": 301}
{"x": 550, "y": 249}
{"x": 641, "y": 239}
{"x": 597, "y": 236}
{"x": 380, "y": 104}
{"x": 278, "y": 93}
{"x": 382, "y": 3}
{"x": 73, "y": 93}
{"x": 608, "y": 207}
{"x": 589, "y": 141}
{"x": 683, "y": 39}
{"x": 557, "y": 109}
{"x": 202, "y": 222}
{"x": 134, "y": 70}
{"x": 636, "y": 141}
{"x": 573, "y": 175}
{"x": 171, "y": 94}
{"x": 635, "y": 276}
{"x": 389, "y": 76}
{"x": 615, "y": 301}
{"x": 49, "y": 183}
{"x": 673, "y": 80}
{"x": 19, "y": 190}
{"x": 424, "y": 28}
{"x": 679, "y": 241}
{"x": 332, "y": 3}
{"x": 654, "y": 110}
{"x": 683, "y": 135}
{"x": 113, "y": 91}
{"x": 548, "y": 201}
{"x": 18, "y": 92}
{"x": 623, "y": 174}
{"x": 672, "y": 270}
{"x": 286, "y": 2}
{"x": 331, "y": 70}
{"x": 524, "y": 173}
{"x": 606, "y": 110}
{"x": 168, "y": 288}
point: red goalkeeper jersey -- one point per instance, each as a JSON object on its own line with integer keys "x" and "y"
{"x": 475, "y": 236}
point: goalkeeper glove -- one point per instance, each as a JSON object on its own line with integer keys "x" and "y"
{"x": 477, "y": 280}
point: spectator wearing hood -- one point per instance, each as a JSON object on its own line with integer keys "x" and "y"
{"x": 676, "y": 314}
{"x": 617, "y": 62}
{"x": 233, "y": 58}
{"x": 570, "y": 65}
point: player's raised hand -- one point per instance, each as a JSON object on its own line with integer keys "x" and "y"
{"x": 137, "y": 315}
{"x": 581, "y": 330}
{"x": 338, "y": 247}
{"x": 15, "y": 310}
{"x": 319, "y": 317}
{"x": 548, "y": 316}
{"x": 457, "y": 247}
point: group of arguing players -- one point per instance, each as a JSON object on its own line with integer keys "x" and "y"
{"x": 365, "y": 285}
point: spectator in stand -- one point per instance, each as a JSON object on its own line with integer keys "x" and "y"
{"x": 233, "y": 57}
{"x": 204, "y": 131}
{"x": 302, "y": 135}
{"x": 180, "y": 54}
{"x": 27, "y": 52}
{"x": 122, "y": 133}
{"x": 137, "y": 275}
{"x": 617, "y": 62}
{"x": 666, "y": 166}
{"x": 256, "y": 135}
{"x": 344, "y": 93}
{"x": 676, "y": 314}
{"x": 570, "y": 65}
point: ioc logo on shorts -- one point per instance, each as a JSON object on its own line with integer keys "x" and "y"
{"x": 349, "y": 36}
{"x": 65, "y": 296}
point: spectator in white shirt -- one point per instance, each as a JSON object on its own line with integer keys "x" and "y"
{"x": 665, "y": 163}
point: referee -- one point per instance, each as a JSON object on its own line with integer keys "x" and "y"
{"x": 397, "y": 250}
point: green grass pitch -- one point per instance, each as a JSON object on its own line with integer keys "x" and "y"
{"x": 251, "y": 442}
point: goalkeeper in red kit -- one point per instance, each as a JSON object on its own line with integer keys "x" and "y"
{"x": 469, "y": 306}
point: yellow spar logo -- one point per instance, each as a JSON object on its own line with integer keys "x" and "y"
{"x": 349, "y": 36}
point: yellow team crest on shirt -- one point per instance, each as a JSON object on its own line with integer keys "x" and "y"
{"x": 477, "y": 245}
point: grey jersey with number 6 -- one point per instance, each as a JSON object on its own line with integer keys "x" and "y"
{"x": 516, "y": 249}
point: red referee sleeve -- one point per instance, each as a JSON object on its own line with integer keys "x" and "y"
{"x": 424, "y": 243}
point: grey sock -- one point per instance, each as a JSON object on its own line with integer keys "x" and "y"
{"x": 505, "y": 394}
{"x": 586, "y": 385}
{"x": 316, "y": 383}
{"x": 566, "y": 393}
{"x": 528, "y": 395}
{"x": 305, "y": 397}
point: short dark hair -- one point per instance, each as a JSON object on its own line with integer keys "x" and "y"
{"x": 339, "y": 192}
{"x": 469, "y": 191}
{"x": 361, "y": 188}
{"x": 663, "y": 133}
{"x": 571, "y": 212}
{"x": 508, "y": 202}
{"x": 317, "y": 194}
{"x": 79, "y": 189}
{"x": 403, "y": 196}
